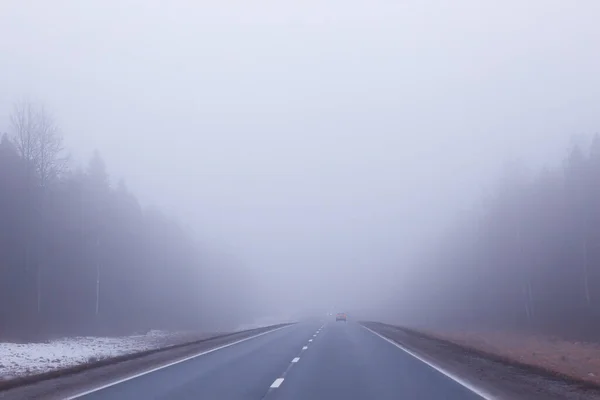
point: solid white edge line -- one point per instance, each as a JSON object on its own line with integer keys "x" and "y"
{"x": 277, "y": 383}
{"x": 305, "y": 348}
{"x": 169, "y": 365}
{"x": 460, "y": 381}
{"x": 296, "y": 359}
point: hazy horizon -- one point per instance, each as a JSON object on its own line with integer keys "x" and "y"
{"x": 319, "y": 144}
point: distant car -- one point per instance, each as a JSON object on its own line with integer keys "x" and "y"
{"x": 340, "y": 317}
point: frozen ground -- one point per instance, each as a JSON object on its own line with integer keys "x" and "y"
{"x": 18, "y": 359}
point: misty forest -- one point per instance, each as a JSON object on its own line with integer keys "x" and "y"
{"x": 78, "y": 254}
{"x": 528, "y": 259}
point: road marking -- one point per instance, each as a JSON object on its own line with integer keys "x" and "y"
{"x": 315, "y": 335}
{"x": 305, "y": 347}
{"x": 296, "y": 359}
{"x": 170, "y": 364}
{"x": 310, "y": 340}
{"x": 277, "y": 383}
{"x": 460, "y": 381}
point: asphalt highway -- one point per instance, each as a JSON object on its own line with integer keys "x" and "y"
{"x": 305, "y": 361}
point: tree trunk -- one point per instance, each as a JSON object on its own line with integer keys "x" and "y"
{"x": 528, "y": 311}
{"x": 586, "y": 281}
{"x": 39, "y": 289}
{"x": 97, "y": 276}
{"x": 530, "y": 297}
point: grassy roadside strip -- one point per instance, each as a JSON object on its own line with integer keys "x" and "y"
{"x": 58, "y": 373}
{"x": 384, "y": 329}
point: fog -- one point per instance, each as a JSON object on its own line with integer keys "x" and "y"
{"x": 322, "y": 146}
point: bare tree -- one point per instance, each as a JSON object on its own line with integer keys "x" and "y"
{"x": 40, "y": 145}
{"x": 24, "y": 126}
{"x": 38, "y": 141}
{"x": 50, "y": 162}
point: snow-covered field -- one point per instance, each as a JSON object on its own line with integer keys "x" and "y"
{"x": 33, "y": 358}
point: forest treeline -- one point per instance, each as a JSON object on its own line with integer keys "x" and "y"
{"x": 79, "y": 255}
{"x": 529, "y": 259}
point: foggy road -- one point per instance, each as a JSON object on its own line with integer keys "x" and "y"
{"x": 309, "y": 360}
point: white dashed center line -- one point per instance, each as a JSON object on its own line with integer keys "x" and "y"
{"x": 277, "y": 383}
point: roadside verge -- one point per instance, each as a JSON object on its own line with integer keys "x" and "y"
{"x": 502, "y": 377}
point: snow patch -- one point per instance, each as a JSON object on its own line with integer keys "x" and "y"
{"x": 18, "y": 359}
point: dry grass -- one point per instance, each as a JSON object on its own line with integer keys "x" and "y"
{"x": 576, "y": 359}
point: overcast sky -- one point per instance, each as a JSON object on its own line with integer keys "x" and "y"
{"x": 318, "y": 141}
